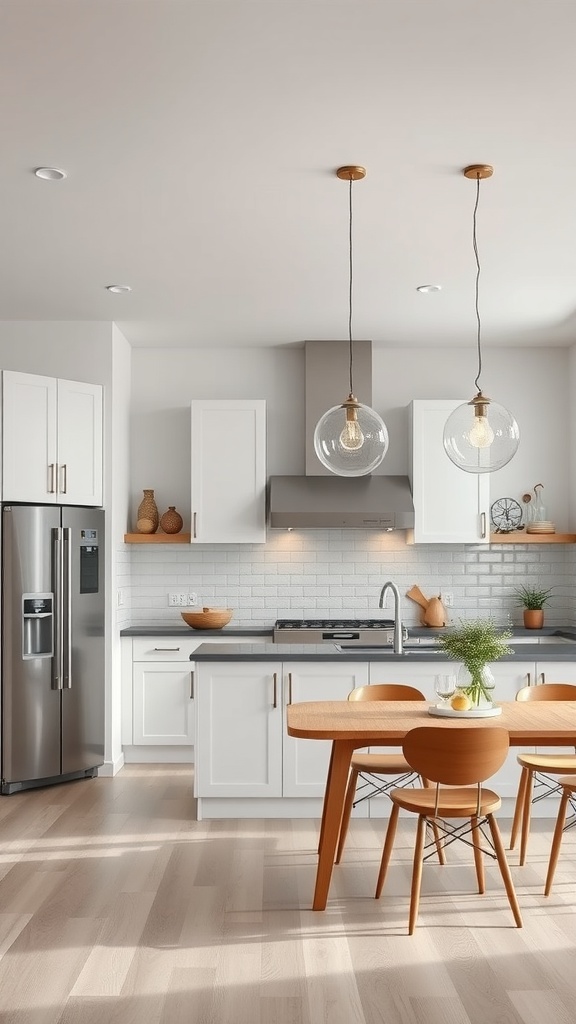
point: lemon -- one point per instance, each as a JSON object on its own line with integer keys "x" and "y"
{"x": 460, "y": 702}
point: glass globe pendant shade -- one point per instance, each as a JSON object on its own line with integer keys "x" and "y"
{"x": 481, "y": 436}
{"x": 351, "y": 439}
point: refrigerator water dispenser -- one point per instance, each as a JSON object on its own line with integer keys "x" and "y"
{"x": 37, "y": 625}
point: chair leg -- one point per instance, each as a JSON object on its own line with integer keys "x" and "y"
{"x": 439, "y": 844}
{"x": 556, "y": 841}
{"x": 526, "y": 814}
{"x": 504, "y": 869}
{"x": 426, "y": 784}
{"x": 518, "y": 807}
{"x": 417, "y": 874}
{"x": 348, "y": 803}
{"x": 478, "y": 858}
{"x": 388, "y": 844}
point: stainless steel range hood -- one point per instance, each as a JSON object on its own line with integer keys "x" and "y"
{"x": 321, "y": 500}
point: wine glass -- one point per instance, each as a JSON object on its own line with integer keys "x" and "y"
{"x": 445, "y": 687}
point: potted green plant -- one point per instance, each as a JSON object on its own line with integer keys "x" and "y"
{"x": 476, "y": 643}
{"x": 533, "y": 599}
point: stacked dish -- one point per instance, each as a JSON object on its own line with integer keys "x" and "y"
{"x": 541, "y": 526}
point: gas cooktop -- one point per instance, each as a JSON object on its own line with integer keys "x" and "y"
{"x": 316, "y": 631}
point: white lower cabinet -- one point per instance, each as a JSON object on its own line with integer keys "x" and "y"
{"x": 305, "y": 762}
{"x": 163, "y": 703}
{"x": 158, "y": 699}
{"x": 239, "y": 730}
{"x": 242, "y": 748}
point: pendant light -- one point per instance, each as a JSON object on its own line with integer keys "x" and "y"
{"x": 481, "y": 435}
{"x": 351, "y": 439}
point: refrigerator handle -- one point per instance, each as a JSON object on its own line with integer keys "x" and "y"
{"x": 67, "y": 607}
{"x": 57, "y": 564}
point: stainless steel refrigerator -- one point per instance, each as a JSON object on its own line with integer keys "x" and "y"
{"x": 52, "y": 688}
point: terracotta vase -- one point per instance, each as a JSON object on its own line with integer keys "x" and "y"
{"x": 147, "y": 513}
{"x": 533, "y": 618}
{"x": 171, "y": 521}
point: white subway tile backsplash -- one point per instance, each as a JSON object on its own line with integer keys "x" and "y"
{"x": 332, "y": 572}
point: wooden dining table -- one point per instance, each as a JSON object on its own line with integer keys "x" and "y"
{"x": 351, "y": 725}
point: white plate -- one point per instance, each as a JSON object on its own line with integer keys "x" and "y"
{"x": 442, "y": 712}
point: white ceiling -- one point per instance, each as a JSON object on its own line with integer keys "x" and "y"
{"x": 201, "y": 142}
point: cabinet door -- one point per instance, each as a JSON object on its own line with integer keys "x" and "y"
{"x": 163, "y": 705}
{"x": 450, "y": 506}
{"x": 79, "y": 443}
{"x": 306, "y": 762}
{"x": 228, "y": 472}
{"x": 29, "y": 438}
{"x": 239, "y": 729}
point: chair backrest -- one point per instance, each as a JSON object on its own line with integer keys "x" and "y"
{"x": 548, "y": 691}
{"x": 456, "y": 756}
{"x": 387, "y": 691}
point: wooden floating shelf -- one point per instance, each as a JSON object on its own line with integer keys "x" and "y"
{"x": 156, "y": 538}
{"x": 519, "y": 537}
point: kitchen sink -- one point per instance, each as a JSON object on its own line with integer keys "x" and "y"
{"x": 429, "y": 644}
{"x": 385, "y": 649}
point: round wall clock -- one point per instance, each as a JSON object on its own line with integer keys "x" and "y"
{"x": 506, "y": 515}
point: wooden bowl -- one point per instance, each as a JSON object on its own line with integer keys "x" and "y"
{"x": 208, "y": 618}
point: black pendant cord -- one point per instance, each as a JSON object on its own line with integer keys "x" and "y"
{"x": 478, "y": 321}
{"x": 350, "y": 284}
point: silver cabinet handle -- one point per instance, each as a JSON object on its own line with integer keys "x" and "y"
{"x": 529, "y": 678}
{"x": 163, "y": 650}
{"x": 194, "y": 525}
{"x": 192, "y": 685}
{"x": 289, "y": 688}
{"x": 64, "y": 478}
{"x": 275, "y": 697}
{"x": 542, "y": 677}
{"x": 51, "y": 478}
{"x": 482, "y": 524}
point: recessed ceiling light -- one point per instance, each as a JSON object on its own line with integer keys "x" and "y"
{"x": 116, "y": 288}
{"x": 50, "y": 173}
{"x": 426, "y": 288}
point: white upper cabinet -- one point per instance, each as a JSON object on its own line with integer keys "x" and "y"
{"x": 51, "y": 440}
{"x": 450, "y": 506}
{"x": 228, "y": 472}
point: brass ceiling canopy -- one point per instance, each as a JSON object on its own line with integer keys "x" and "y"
{"x": 351, "y": 173}
{"x": 478, "y": 171}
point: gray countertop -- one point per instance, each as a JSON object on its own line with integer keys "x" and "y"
{"x": 182, "y": 630}
{"x": 328, "y": 652}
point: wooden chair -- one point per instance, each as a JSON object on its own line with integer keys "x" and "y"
{"x": 461, "y": 759}
{"x": 368, "y": 772}
{"x": 536, "y": 781}
{"x": 568, "y": 787}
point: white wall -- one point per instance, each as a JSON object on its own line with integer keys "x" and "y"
{"x": 117, "y": 457}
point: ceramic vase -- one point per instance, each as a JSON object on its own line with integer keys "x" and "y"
{"x": 171, "y": 521}
{"x": 147, "y": 513}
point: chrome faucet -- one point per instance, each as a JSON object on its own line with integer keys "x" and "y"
{"x": 398, "y": 649}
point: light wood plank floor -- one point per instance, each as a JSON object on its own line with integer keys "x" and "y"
{"x": 117, "y": 906}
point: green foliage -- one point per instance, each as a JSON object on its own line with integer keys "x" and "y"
{"x": 532, "y": 598}
{"x": 476, "y": 642}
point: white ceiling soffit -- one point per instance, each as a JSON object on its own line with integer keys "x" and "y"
{"x": 201, "y": 139}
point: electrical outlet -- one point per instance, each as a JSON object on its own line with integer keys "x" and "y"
{"x": 448, "y": 600}
{"x": 192, "y": 599}
{"x": 178, "y": 600}
{"x": 120, "y": 598}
